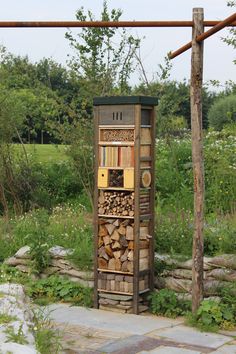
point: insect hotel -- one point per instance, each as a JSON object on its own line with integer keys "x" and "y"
{"x": 124, "y": 202}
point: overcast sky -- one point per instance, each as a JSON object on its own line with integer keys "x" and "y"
{"x": 39, "y": 43}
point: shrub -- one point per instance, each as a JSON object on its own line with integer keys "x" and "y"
{"x": 212, "y": 315}
{"x": 165, "y": 302}
{"x": 173, "y": 232}
{"x": 48, "y": 339}
{"x": 59, "y": 289}
{"x": 220, "y": 235}
{"x": 68, "y": 226}
{"x": 220, "y": 176}
{"x": 174, "y": 173}
{"x": 222, "y": 112}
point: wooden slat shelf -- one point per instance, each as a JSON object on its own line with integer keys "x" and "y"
{"x": 115, "y": 292}
{"x": 117, "y": 168}
{"x": 116, "y": 126}
{"x": 121, "y": 292}
{"x": 117, "y": 143}
{"x": 114, "y": 271}
{"x": 116, "y": 216}
{"x": 117, "y": 188}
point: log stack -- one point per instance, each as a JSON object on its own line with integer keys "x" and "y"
{"x": 116, "y": 245}
{"x": 120, "y": 283}
{"x": 116, "y": 203}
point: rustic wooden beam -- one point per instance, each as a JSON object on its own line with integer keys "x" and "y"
{"x": 95, "y": 208}
{"x": 229, "y": 20}
{"x": 68, "y": 24}
{"x": 197, "y": 157}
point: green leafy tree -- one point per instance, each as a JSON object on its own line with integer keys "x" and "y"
{"x": 103, "y": 61}
{"x": 46, "y": 90}
{"x": 11, "y": 118}
{"x": 231, "y": 38}
{"x": 222, "y": 112}
{"x": 104, "y": 57}
{"x": 173, "y": 111}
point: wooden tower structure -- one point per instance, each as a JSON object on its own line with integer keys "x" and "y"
{"x": 124, "y": 193}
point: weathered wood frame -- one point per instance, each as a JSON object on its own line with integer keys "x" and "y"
{"x": 137, "y": 217}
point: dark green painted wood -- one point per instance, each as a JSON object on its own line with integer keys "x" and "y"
{"x": 117, "y": 100}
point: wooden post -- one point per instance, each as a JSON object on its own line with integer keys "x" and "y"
{"x": 197, "y": 157}
{"x": 136, "y": 208}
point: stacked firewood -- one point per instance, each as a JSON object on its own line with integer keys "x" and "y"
{"x": 116, "y": 203}
{"x": 120, "y": 283}
{"x": 116, "y": 245}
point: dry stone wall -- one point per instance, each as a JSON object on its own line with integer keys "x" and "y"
{"x": 59, "y": 265}
{"x": 219, "y": 272}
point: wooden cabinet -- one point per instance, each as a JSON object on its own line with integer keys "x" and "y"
{"x": 124, "y": 202}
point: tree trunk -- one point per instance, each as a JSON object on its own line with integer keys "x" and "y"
{"x": 197, "y": 158}
{"x": 42, "y": 137}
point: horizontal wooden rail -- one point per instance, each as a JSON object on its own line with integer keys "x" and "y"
{"x": 56, "y": 24}
{"x": 229, "y": 20}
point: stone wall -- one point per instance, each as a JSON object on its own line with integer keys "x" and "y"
{"x": 219, "y": 271}
{"x": 59, "y": 265}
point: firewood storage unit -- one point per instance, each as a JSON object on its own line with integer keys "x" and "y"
{"x": 124, "y": 129}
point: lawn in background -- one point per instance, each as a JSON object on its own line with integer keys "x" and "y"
{"x": 44, "y": 153}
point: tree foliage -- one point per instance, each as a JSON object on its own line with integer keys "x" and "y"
{"x": 231, "y": 38}
{"x": 222, "y": 112}
{"x": 104, "y": 57}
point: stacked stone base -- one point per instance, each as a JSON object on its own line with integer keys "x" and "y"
{"x": 120, "y": 303}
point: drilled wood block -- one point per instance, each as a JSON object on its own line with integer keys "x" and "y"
{"x": 110, "y": 276}
{"x": 117, "y": 286}
{"x": 130, "y": 287}
{"x": 126, "y": 287}
{"x": 143, "y": 253}
{"x": 141, "y": 285}
{"x": 143, "y": 264}
{"x": 122, "y": 287}
{"x": 119, "y": 277}
{"x": 102, "y": 178}
{"x": 113, "y": 285}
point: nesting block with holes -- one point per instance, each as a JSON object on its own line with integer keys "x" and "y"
{"x": 124, "y": 202}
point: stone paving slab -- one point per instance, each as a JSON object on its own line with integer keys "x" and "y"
{"x": 130, "y": 345}
{"x": 170, "y": 350}
{"x": 91, "y": 331}
{"x": 226, "y": 349}
{"x": 187, "y": 335}
{"x": 84, "y": 339}
{"x": 105, "y": 320}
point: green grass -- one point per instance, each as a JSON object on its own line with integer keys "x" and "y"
{"x": 44, "y": 153}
